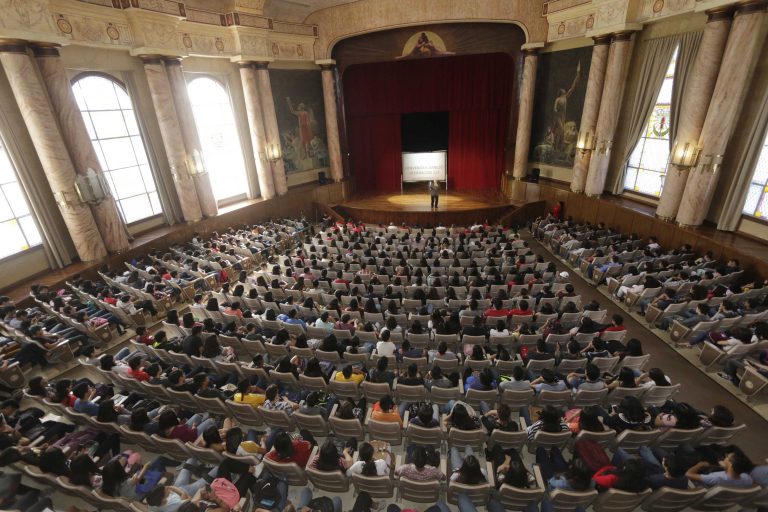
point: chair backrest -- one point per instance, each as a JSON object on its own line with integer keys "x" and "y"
{"x": 245, "y": 413}
{"x": 604, "y": 439}
{"x": 276, "y": 418}
{"x": 537, "y": 365}
{"x": 213, "y": 405}
{"x": 517, "y": 498}
{"x": 419, "y": 492}
{"x": 329, "y": 481}
{"x": 657, "y": 395}
{"x": 634, "y": 362}
{"x": 295, "y": 474}
{"x": 172, "y": 447}
{"x": 667, "y": 499}
{"x": 345, "y": 389}
{"x": 614, "y": 500}
{"x": 439, "y": 395}
{"x": 571, "y": 365}
{"x": 516, "y": 399}
{"x": 507, "y": 439}
{"x": 722, "y": 498}
{"x": 567, "y": 501}
{"x": 632, "y": 440}
{"x": 376, "y": 486}
{"x": 405, "y": 393}
{"x": 374, "y": 391}
{"x": 673, "y": 437}
{"x": 477, "y": 493}
{"x": 719, "y": 435}
{"x": 389, "y": 431}
{"x": 345, "y": 429}
{"x": 313, "y": 383}
{"x": 583, "y": 398}
{"x": 474, "y": 438}
{"x": 554, "y": 398}
{"x": 549, "y": 440}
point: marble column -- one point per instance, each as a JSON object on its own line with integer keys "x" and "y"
{"x": 608, "y": 115}
{"x": 271, "y": 130}
{"x": 525, "y": 114}
{"x": 739, "y": 59}
{"x": 42, "y": 124}
{"x": 695, "y": 100}
{"x": 76, "y": 137}
{"x": 591, "y": 109}
{"x": 331, "y": 121}
{"x": 162, "y": 99}
{"x": 191, "y": 138}
{"x": 256, "y": 129}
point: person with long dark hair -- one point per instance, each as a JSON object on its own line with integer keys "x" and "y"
{"x": 366, "y": 464}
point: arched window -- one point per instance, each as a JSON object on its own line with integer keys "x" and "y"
{"x": 756, "y": 203}
{"x": 18, "y": 230}
{"x": 111, "y": 123}
{"x": 647, "y": 164}
{"x": 218, "y": 136}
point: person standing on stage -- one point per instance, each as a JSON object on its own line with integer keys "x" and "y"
{"x": 434, "y": 191}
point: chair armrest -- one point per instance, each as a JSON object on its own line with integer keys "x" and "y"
{"x": 406, "y": 416}
{"x": 491, "y": 474}
{"x": 368, "y": 415}
{"x": 394, "y": 384}
{"x": 444, "y": 466}
{"x": 398, "y": 463}
{"x": 312, "y": 455}
{"x": 523, "y": 423}
{"x": 539, "y": 478}
{"x": 461, "y": 386}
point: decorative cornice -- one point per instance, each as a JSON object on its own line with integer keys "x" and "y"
{"x": 151, "y": 59}
{"x": 45, "y": 50}
{"x": 719, "y": 14}
{"x": 602, "y": 40}
{"x": 624, "y": 35}
{"x": 13, "y": 46}
{"x": 261, "y": 64}
{"x": 751, "y": 7}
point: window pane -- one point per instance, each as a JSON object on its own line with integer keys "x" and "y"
{"x": 649, "y": 182}
{"x": 753, "y": 196}
{"x": 136, "y": 208}
{"x": 16, "y": 199}
{"x": 30, "y": 230}
{"x": 7, "y": 174}
{"x": 109, "y": 124}
{"x": 118, "y": 152}
{"x": 118, "y": 144}
{"x": 761, "y": 170}
{"x": 218, "y": 136}
{"x": 155, "y": 202}
{"x": 665, "y": 95}
{"x": 5, "y": 209}
{"x": 12, "y": 237}
{"x": 629, "y": 181}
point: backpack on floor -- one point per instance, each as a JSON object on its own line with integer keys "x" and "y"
{"x": 265, "y": 493}
{"x": 321, "y": 504}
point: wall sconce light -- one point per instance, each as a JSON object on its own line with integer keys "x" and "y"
{"x": 711, "y": 163}
{"x": 273, "y": 152}
{"x": 197, "y": 164}
{"x": 685, "y": 154}
{"x": 92, "y": 187}
{"x": 604, "y": 147}
{"x": 586, "y": 141}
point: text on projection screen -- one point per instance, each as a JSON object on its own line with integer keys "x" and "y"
{"x": 425, "y": 166}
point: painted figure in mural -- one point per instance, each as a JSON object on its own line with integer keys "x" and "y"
{"x": 304, "y": 119}
{"x": 425, "y": 48}
{"x": 561, "y": 108}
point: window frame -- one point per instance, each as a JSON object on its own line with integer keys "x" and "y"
{"x": 141, "y": 134}
{"x": 644, "y": 138}
{"x": 31, "y": 213}
{"x": 764, "y": 185}
{"x": 189, "y": 78}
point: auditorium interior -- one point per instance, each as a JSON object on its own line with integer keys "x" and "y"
{"x": 368, "y": 255}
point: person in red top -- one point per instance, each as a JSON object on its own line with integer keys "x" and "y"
{"x": 135, "y": 370}
{"x": 617, "y": 324}
{"x": 340, "y": 279}
{"x": 285, "y": 449}
{"x": 497, "y": 311}
{"x": 629, "y": 477}
{"x": 522, "y": 309}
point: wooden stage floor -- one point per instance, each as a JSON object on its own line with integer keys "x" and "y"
{"x": 459, "y": 208}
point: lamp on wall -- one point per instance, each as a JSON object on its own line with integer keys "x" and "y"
{"x": 89, "y": 188}
{"x": 684, "y": 154}
{"x": 197, "y": 164}
{"x": 273, "y": 152}
{"x": 711, "y": 163}
{"x": 585, "y": 141}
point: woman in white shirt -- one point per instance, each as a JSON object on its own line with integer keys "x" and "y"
{"x": 500, "y": 330}
{"x": 366, "y": 465}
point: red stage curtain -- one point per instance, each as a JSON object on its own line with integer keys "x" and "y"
{"x": 474, "y": 89}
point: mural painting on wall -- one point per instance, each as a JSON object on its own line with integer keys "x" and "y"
{"x": 298, "y": 96}
{"x": 424, "y": 45}
{"x": 561, "y": 84}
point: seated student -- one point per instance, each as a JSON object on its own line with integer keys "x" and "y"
{"x": 476, "y": 329}
{"x": 736, "y": 469}
{"x": 518, "y": 382}
{"x": 670, "y": 472}
{"x": 540, "y": 354}
{"x": 312, "y": 404}
{"x": 325, "y": 322}
{"x": 419, "y": 469}
{"x": 629, "y": 476}
{"x": 436, "y": 378}
{"x": 274, "y": 402}
{"x": 427, "y": 417}
{"x": 629, "y": 415}
{"x": 386, "y": 410}
{"x": 522, "y": 309}
{"x": 625, "y": 379}
{"x": 285, "y": 449}
{"x": 466, "y": 470}
{"x": 328, "y": 458}
{"x": 349, "y": 374}
{"x": 688, "y": 318}
{"x": 366, "y": 465}
{"x": 617, "y": 324}
{"x": 245, "y": 394}
{"x": 462, "y": 417}
{"x": 442, "y": 352}
{"x": 385, "y": 347}
{"x": 483, "y": 380}
{"x": 499, "y": 418}
{"x": 411, "y": 352}
{"x": 381, "y": 373}
{"x": 349, "y": 410}
{"x": 548, "y": 381}
{"x": 719, "y": 416}
{"x": 589, "y": 380}
{"x": 550, "y": 420}
{"x": 499, "y": 331}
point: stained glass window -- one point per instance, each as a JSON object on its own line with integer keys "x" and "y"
{"x": 756, "y": 204}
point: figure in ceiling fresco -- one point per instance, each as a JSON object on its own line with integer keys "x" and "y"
{"x": 424, "y": 47}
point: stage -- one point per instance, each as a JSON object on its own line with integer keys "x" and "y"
{"x": 411, "y": 208}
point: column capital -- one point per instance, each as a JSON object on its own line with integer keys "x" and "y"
{"x": 151, "y": 59}
{"x": 719, "y": 13}
{"x": 172, "y": 61}
{"x": 13, "y": 46}
{"x": 261, "y": 64}
{"x": 624, "y": 35}
{"x": 751, "y": 6}
{"x": 602, "y": 40}
{"x": 46, "y": 49}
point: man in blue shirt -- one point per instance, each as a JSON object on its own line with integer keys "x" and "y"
{"x": 290, "y": 318}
